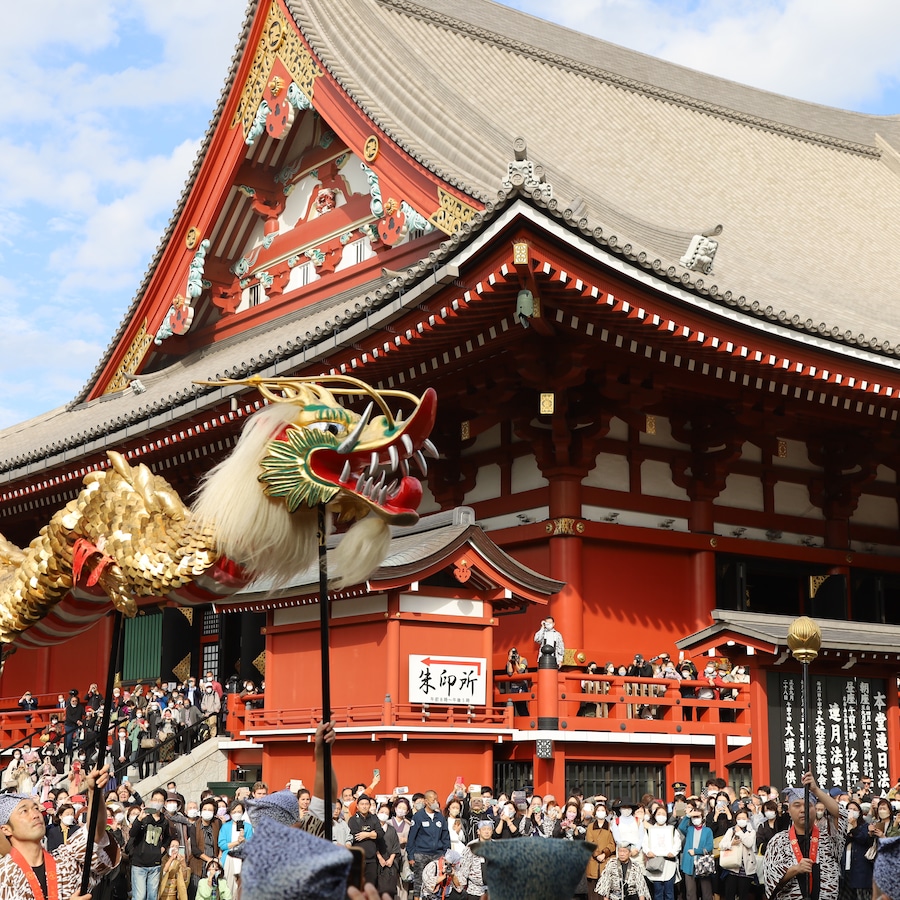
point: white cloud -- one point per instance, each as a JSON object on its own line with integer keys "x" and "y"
{"x": 825, "y": 51}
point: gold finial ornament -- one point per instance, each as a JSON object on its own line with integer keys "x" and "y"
{"x": 804, "y": 639}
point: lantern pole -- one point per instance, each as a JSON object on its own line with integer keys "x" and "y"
{"x": 804, "y": 640}
{"x": 325, "y": 666}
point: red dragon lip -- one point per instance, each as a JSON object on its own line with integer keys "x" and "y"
{"x": 378, "y": 475}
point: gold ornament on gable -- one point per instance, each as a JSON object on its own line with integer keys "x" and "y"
{"x": 452, "y": 213}
{"x": 281, "y": 41}
{"x": 132, "y": 359}
{"x": 371, "y": 149}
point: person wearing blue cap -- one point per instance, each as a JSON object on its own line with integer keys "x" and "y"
{"x": 29, "y": 871}
{"x": 792, "y": 872}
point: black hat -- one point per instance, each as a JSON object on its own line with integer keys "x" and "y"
{"x": 679, "y": 787}
{"x": 626, "y": 803}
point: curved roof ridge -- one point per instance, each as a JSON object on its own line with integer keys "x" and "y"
{"x": 179, "y": 206}
{"x": 635, "y": 71}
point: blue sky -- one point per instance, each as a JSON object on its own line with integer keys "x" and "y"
{"x": 107, "y": 102}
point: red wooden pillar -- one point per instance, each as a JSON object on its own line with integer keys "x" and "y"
{"x": 893, "y": 719}
{"x": 390, "y": 777}
{"x": 566, "y": 555}
{"x": 704, "y": 587}
{"x": 680, "y": 770}
{"x": 759, "y": 727}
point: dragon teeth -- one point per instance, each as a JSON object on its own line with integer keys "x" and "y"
{"x": 404, "y": 467}
{"x": 373, "y": 463}
{"x": 381, "y": 495}
{"x": 345, "y": 474}
{"x": 381, "y": 480}
{"x": 420, "y": 462}
{"x": 407, "y": 444}
{"x": 394, "y": 455}
{"x": 430, "y": 449}
{"x": 360, "y": 483}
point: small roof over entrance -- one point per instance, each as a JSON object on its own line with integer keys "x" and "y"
{"x": 446, "y": 548}
{"x": 766, "y": 633}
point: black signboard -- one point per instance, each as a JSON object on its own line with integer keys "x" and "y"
{"x": 848, "y": 721}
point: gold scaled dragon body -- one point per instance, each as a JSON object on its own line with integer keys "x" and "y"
{"x": 128, "y": 535}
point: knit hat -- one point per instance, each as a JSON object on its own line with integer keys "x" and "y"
{"x": 8, "y": 802}
{"x": 282, "y": 806}
{"x": 887, "y": 866}
{"x": 282, "y": 863}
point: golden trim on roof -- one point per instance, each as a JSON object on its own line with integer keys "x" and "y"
{"x": 452, "y": 213}
{"x": 279, "y": 40}
{"x": 131, "y": 360}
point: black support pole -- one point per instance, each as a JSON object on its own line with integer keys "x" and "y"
{"x": 115, "y": 655}
{"x": 326, "y": 667}
{"x": 807, "y": 762}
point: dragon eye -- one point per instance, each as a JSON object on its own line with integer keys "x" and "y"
{"x": 330, "y": 427}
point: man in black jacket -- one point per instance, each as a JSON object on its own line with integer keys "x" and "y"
{"x": 74, "y": 720}
{"x": 366, "y": 831}
{"x": 150, "y": 837}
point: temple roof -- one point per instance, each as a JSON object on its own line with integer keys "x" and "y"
{"x": 768, "y": 633}
{"x": 641, "y": 155}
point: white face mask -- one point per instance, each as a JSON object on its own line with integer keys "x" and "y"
{"x": 171, "y": 807}
{"x": 193, "y": 813}
{"x": 383, "y": 817}
{"x": 770, "y": 814}
{"x": 237, "y": 817}
{"x": 820, "y": 813}
{"x": 884, "y": 813}
{"x": 742, "y": 823}
{"x": 173, "y": 851}
{"x": 661, "y": 818}
{"x": 207, "y": 815}
{"x": 697, "y": 820}
{"x": 852, "y": 813}
{"x": 626, "y": 811}
{"x": 120, "y": 817}
{"x": 68, "y": 820}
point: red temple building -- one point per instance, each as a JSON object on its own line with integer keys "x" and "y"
{"x": 658, "y": 311}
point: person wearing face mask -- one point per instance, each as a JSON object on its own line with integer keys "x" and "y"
{"x": 569, "y": 827}
{"x": 661, "y": 846}
{"x": 211, "y": 706}
{"x": 856, "y": 868}
{"x": 151, "y": 835}
{"x": 232, "y": 834}
{"x": 175, "y": 875}
{"x": 720, "y": 818}
{"x": 771, "y": 825}
{"x": 883, "y": 824}
{"x": 389, "y": 857}
{"x": 509, "y": 825}
{"x": 213, "y": 886}
{"x": 600, "y": 834}
{"x": 429, "y": 838}
{"x": 698, "y": 841}
{"x": 625, "y": 827}
{"x": 741, "y": 841}
{"x": 63, "y": 827}
{"x": 205, "y": 837}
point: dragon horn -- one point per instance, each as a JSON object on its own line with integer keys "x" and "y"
{"x": 352, "y": 439}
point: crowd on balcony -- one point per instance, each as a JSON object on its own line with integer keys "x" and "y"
{"x": 150, "y": 726}
{"x": 420, "y": 844}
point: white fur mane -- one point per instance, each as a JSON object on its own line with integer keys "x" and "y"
{"x": 259, "y": 533}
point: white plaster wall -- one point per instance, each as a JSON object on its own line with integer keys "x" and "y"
{"x": 297, "y": 204}
{"x": 610, "y": 472}
{"x": 886, "y": 475}
{"x": 872, "y": 510}
{"x": 349, "y": 251}
{"x": 353, "y": 174}
{"x": 487, "y": 485}
{"x": 656, "y": 481}
{"x": 487, "y": 440}
{"x": 751, "y": 453}
{"x": 663, "y": 436}
{"x": 797, "y": 457}
{"x": 297, "y": 276}
{"x": 618, "y": 429}
{"x": 793, "y": 500}
{"x": 526, "y": 475}
{"x": 742, "y": 492}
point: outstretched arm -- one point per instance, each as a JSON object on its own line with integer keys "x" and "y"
{"x": 325, "y": 734}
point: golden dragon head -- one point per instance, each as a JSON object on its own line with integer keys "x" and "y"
{"x": 357, "y": 463}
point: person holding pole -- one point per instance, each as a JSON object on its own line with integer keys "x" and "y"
{"x": 791, "y": 873}
{"x": 29, "y": 872}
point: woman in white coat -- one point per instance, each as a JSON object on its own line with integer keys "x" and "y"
{"x": 661, "y": 846}
{"x": 738, "y": 849}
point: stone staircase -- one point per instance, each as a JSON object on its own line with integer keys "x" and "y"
{"x": 192, "y": 772}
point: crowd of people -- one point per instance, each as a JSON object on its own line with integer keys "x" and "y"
{"x": 717, "y": 680}
{"x": 739, "y": 845}
{"x": 150, "y": 726}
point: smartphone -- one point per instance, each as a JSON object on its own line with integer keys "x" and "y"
{"x": 356, "y": 877}
{"x": 181, "y": 851}
{"x": 459, "y": 779}
{"x": 376, "y": 773}
{"x": 403, "y": 789}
